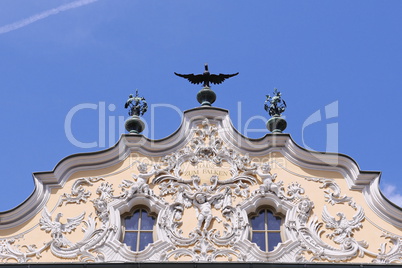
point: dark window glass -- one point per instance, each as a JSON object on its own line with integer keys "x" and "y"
{"x": 131, "y": 223}
{"x": 258, "y": 222}
{"x": 145, "y": 239}
{"x": 274, "y": 223}
{"x": 266, "y": 230}
{"x": 259, "y": 239}
{"x": 138, "y": 230}
{"x": 130, "y": 239}
{"x": 147, "y": 223}
{"x": 273, "y": 240}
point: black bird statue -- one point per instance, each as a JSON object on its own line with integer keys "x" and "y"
{"x": 206, "y": 77}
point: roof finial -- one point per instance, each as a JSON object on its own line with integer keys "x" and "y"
{"x": 137, "y": 107}
{"x": 206, "y": 96}
{"x": 275, "y": 106}
{"x": 206, "y": 77}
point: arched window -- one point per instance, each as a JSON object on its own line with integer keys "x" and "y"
{"x": 266, "y": 230}
{"x": 138, "y": 230}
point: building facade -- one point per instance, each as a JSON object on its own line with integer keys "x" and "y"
{"x": 205, "y": 194}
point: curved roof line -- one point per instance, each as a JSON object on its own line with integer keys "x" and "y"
{"x": 364, "y": 181}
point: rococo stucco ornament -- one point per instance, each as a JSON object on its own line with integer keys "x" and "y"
{"x": 222, "y": 188}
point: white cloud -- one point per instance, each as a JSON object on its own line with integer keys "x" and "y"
{"x": 22, "y": 23}
{"x": 390, "y": 192}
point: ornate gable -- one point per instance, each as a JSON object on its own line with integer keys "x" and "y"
{"x": 204, "y": 194}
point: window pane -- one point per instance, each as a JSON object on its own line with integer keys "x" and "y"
{"x": 274, "y": 223}
{"x": 147, "y": 222}
{"x": 145, "y": 239}
{"x": 259, "y": 239}
{"x": 132, "y": 222}
{"x": 139, "y": 228}
{"x": 130, "y": 239}
{"x": 273, "y": 240}
{"x": 258, "y": 222}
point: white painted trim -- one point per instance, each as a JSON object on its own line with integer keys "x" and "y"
{"x": 366, "y": 182}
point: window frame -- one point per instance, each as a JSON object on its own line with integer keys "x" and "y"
{"x": 266, "y": 230}
{"x": 126, "y": 215}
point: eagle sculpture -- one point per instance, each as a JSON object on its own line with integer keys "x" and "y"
{"x": 206, "y": 77}
{"x": 56, "y": 228}
{"x": 343, "y": 228}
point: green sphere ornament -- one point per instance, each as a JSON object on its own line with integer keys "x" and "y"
{"x": 134, "y": 125}
{"x": 276, "y": 124}
{"x": 206, "y": 96}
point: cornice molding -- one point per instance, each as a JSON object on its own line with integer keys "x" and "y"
{"x": 366, "y": 182}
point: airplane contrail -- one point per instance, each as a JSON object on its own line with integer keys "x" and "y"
{"x": 22, "y": 23}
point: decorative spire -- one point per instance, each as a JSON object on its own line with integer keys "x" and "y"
{"x": 275, "y": 106}
{"x": 206, "y": 96}
{"x": 137, "y": 107}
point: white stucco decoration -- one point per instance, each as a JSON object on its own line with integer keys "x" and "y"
{"x": 206, "y": 136}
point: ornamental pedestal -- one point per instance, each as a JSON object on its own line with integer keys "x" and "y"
{"x": 276, "y": 124}
{"x": 206, "y": 96}
{"x": 134, "y": 125}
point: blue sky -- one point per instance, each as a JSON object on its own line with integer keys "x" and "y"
{"x": 338, "y": 64}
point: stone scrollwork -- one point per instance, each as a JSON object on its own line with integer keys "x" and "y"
{"x": 207, "y": 146}
{"x": 78, "y": 193}
{"x": 59, "y": 244}
{"x": 105, "y": 192}
{"x": 294, "y": 191}
{"x": 332, "y": 193}
{"x": 203, "y": 243}
{"x": 394, "y": 254}
{"x": 10, "y": 250}
{"x": 61, "y": 247}
{"x": 340, "y": 229}
{"x": 221, "y": 203}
